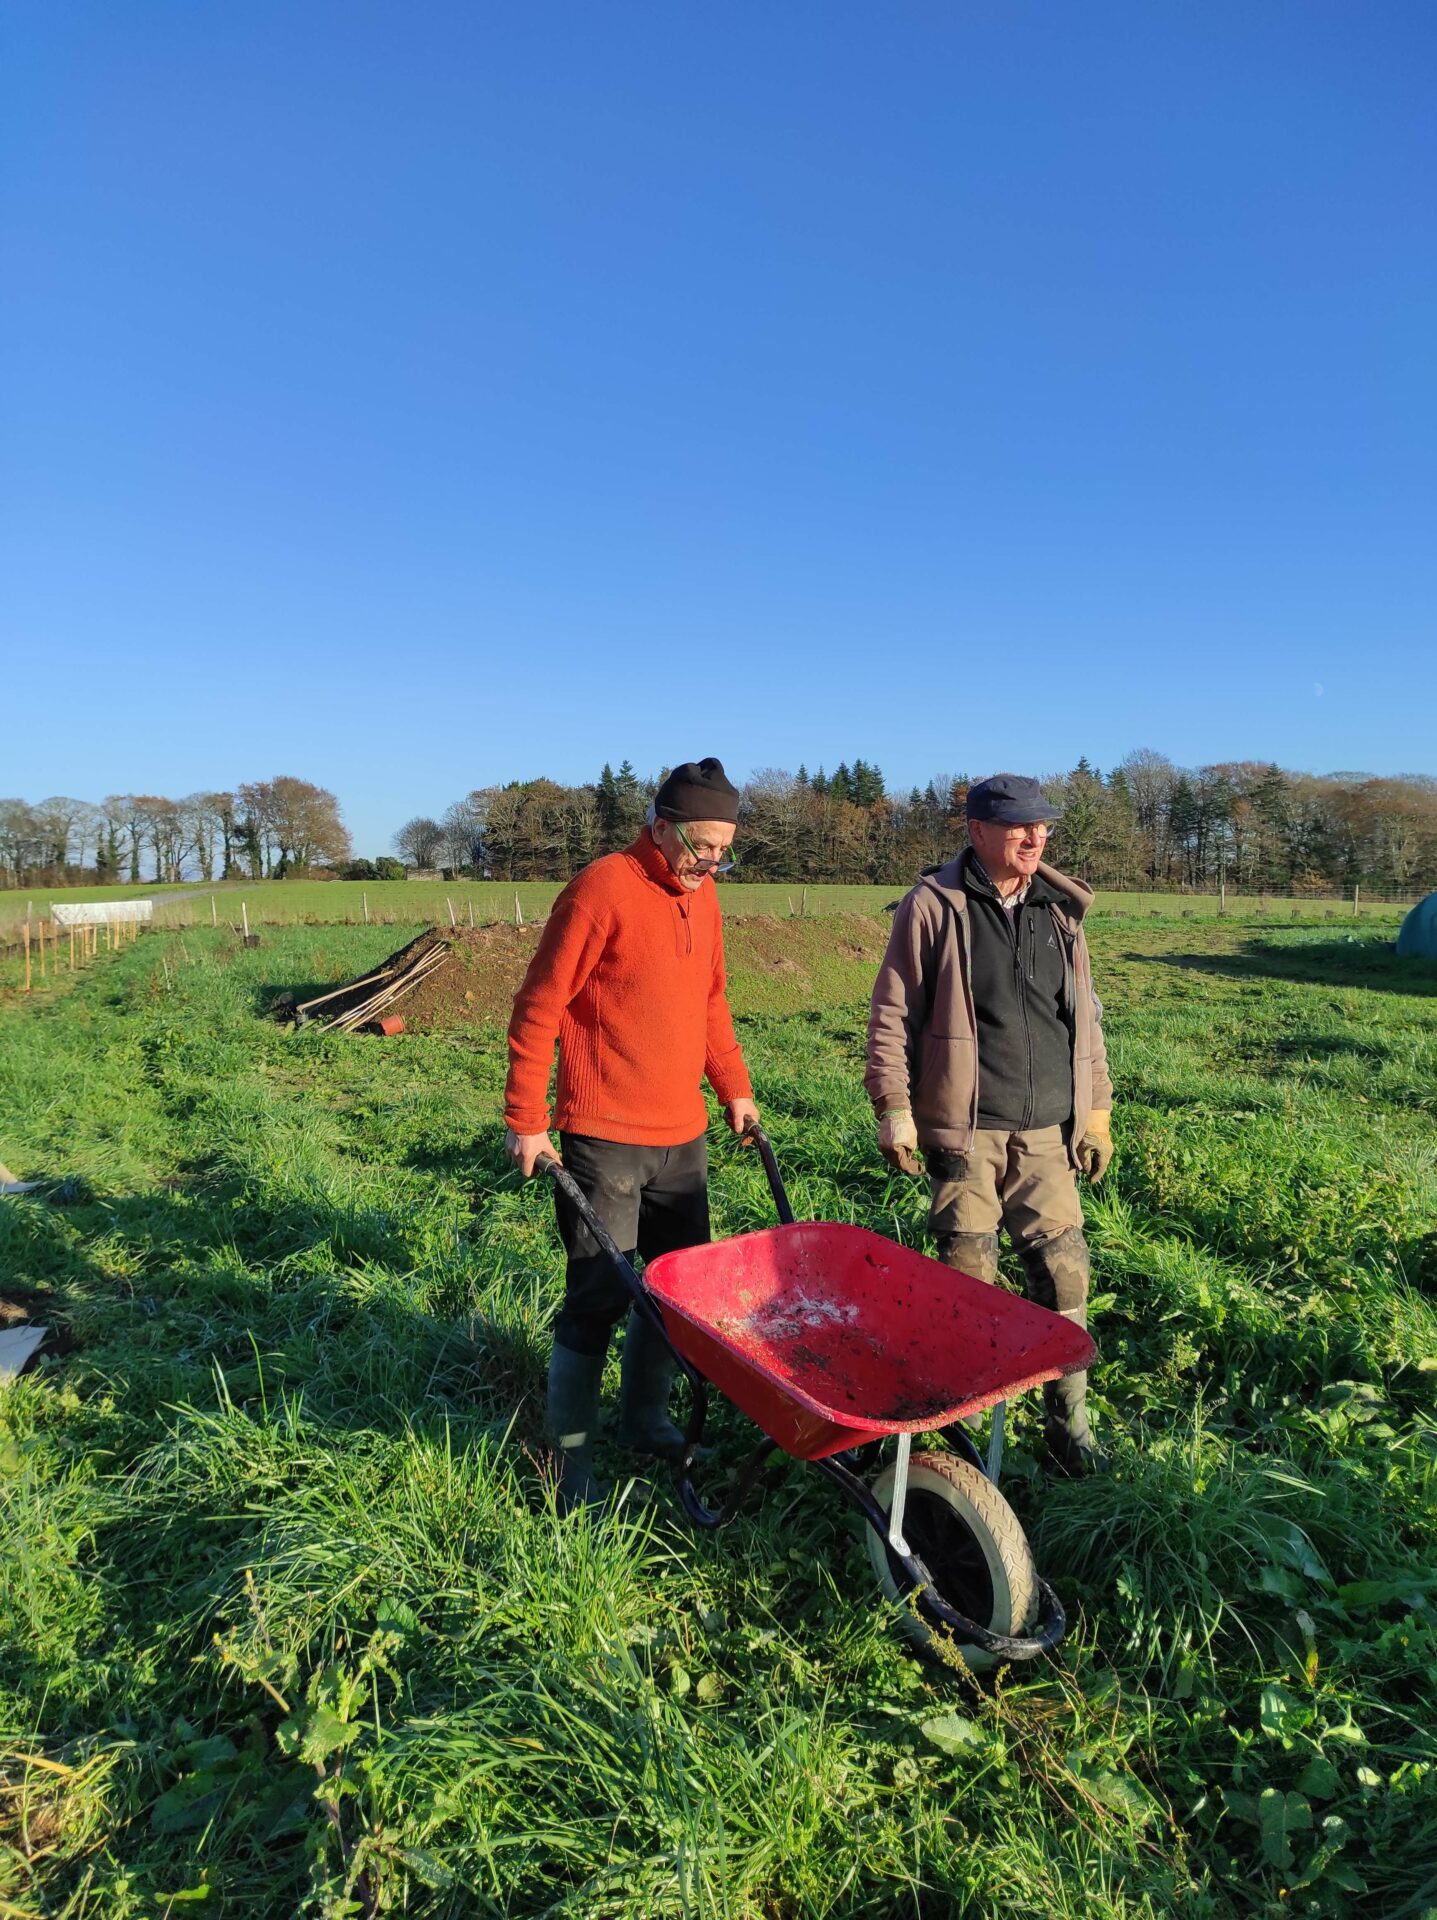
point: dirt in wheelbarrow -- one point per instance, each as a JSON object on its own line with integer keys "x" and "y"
{"x": 774, "y": 1336}
{"x": 825, "y": 1377}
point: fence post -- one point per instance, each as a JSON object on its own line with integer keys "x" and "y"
{"x": 365, "y": 898}
{"x": 518, "y": 912}
{"x": 1356, "y": 895}
{"x": 27, "y": 946}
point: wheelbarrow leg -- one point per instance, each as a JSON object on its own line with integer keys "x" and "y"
{"x": 900, "y": 1495}
{"x": 711, "y": 1518}
{"x": 994, "y": 1464}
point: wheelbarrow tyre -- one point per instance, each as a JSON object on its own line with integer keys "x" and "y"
{"x": 973, "y": 1544}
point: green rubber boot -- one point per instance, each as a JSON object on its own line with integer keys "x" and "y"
{"x": 1058, "y": 1277}
{"x": 975, "y": 1253}
{"x": 645, "y": 1379}
{"x": 572, "y": 1420}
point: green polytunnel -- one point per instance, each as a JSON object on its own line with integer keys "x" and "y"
{"x": 1417, "y": 936}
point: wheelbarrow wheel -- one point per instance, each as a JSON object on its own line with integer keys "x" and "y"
{"x": 958, "y": 1523}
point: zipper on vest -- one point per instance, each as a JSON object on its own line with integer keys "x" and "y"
{"x": 1016, "y": 922}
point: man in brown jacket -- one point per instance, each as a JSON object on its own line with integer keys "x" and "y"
{"x": 985, "y": 1049}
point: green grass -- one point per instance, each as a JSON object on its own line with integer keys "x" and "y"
{"x": 286, "y": 1618}
{"x": 300, "y": 902}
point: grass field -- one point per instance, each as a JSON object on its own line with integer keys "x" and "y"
{"x": 321, "y": 902}
{"x": 287, "y": 903}
{"x": 287, "y": 1624}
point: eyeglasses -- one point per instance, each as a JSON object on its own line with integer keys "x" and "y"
{"x": 723, "y": 862}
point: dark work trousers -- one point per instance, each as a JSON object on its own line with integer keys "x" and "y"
{"x": 653, "y": 1200}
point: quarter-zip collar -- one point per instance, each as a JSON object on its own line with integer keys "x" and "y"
{"x": 648, "y": 857}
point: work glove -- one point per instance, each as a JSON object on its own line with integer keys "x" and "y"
{"x": 898, "y": 1142}
{"x": 1095, "y": 1149}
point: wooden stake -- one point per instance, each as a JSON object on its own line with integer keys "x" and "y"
{"x": 27, "y": 951}
{"x": 1356, "y": 895}
{"x": 244, "y": 915}
{"x": 365, "y": 898}
{"x": 72, "y": 949}
{"x": 471, "y": 916}
{"x": 518, "y": 912}
{"x": 450, "y": 904}
{"x": 1222, "y": 896}
{"x": 803, "y": 905}
{"x": 214, "y": 912}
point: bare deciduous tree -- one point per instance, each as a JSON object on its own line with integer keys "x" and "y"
{"x": 418, "y": 841}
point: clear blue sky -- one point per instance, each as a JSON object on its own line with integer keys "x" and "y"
{"x": 414, "y": 397}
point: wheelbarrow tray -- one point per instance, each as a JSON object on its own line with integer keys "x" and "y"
{"x": 829, "y": 1336}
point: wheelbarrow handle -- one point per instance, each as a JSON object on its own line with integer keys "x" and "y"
{"x": 753, "y": 1131}
{"x": 560, "y": 1175}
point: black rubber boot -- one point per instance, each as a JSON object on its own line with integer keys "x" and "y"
{"x": 572, "y": 1419}
{"x": 645, "y": 1379}
{"x": 1058, "y": 1273}
{"x": 975, "y": 1253}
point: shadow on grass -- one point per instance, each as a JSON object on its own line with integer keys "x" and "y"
{"x": 181, "y": 1298}
{"x": 1335, "y": 963}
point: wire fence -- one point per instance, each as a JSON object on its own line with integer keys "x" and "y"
{"x": 40, "y": 950}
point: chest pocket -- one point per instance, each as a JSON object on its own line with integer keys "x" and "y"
{"x": 1050, "y": 960}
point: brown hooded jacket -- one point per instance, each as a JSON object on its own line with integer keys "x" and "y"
{"x": 922, "y": 1032}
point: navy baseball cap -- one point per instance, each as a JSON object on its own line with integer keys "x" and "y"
{"x": 1011, "y": 799}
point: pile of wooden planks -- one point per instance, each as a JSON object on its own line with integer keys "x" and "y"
{"x": 390, "y": 984}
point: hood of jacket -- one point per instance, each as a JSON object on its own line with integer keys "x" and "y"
{"x": 1075, "y": 898}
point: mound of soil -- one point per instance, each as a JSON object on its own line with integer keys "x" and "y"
{"x": 775, "y": 966}
{"x": 477, "y": 984}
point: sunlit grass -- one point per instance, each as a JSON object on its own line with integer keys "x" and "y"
{"x": 286, "y": 1614}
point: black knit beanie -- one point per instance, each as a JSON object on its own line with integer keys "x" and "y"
{"x": 698, "y": 790}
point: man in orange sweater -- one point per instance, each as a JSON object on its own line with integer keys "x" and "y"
{"x": 629, "y": 980}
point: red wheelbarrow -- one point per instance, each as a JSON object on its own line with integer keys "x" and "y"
{"x": 834, "y": 1340}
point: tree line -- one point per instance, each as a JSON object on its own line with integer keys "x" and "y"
{"x": 1147, "y": 825}
{"x": 264, "y": 829}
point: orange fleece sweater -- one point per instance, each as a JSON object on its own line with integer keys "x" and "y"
{"x": 629, "y": 979}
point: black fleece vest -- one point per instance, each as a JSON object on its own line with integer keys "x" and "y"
{"x": 1025, "y": 1038}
